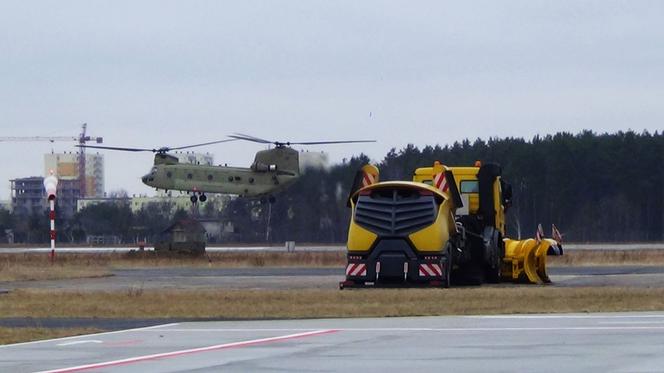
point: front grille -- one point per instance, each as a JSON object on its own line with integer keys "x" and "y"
{"x": 395, "y": 212}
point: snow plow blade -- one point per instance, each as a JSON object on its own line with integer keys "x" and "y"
{"x": 525, "y": 260}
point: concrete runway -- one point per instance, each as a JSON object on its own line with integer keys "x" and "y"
{"x": 312, "y": 278}
{"x": 625, "y": 342}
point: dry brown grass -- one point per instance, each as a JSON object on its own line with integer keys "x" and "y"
{"x": 152, "y": 259}
{"x": 608, "y": 257}
{"x": 236, "y": 304}
{"x": 36, "y": 266}
{"x": 15, "y": 268}
{"x": 15, "y": 335}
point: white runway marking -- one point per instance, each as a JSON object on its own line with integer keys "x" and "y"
{"x": 550, "y": 316}
{"x": 79, "y": 342}
{"x": 164, "y": 355}
{"x": 630, "y": 322}
{"x": 89, "y": 335}
{"x": 471, "y": 329}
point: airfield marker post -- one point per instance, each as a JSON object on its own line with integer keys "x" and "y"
{"x": 51, "y": 216}
{"x": 51, "y": 186}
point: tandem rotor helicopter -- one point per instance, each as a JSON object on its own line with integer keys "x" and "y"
{"x": 272, "y": 170}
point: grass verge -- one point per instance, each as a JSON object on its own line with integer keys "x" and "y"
{"x": 16, "y": 335}
{"x": 608, "y": 257}
{"x": 260, "y": 304}
{"x": 36, "y": 266}
{"x": 38, "y": 271}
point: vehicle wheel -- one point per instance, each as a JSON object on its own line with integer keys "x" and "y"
{"x": 475, "y": 274}
{"x": 492, "y": 269}
{"x": 447, "y": 265}
{"x": 193, "y": 199}
{"x": 203, "y": 198}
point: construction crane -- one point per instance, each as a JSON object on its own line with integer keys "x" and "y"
{"x": 82, "y": 139}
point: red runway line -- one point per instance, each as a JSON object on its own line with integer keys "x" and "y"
{"x": 163, "y": 355}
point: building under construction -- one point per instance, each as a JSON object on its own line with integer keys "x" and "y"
{"x": 79, "y": 175}
{"x": 65, "y": 166}
{"x": 29, "y": 197}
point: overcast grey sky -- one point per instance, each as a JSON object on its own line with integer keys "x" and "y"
{"x": 152, "y": 73}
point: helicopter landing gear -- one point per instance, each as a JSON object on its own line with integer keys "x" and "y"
{"x": 201, "y": 197}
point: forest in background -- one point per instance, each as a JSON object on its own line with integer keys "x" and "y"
{"x": 594, "y": 187}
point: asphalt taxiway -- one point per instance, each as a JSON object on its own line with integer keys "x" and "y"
{"x": 304, "y": 247}
{"x": 620, "y": 342}
{"x": 310, "y": 278}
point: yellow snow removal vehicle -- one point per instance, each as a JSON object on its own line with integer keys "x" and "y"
{"x": 448, "y": 222}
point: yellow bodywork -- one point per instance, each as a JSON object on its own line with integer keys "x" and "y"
{"x": 461, "y": 174}
{"x": 434, "y": 237}
{"x": 525, "y": 260}
{"x": 359, "y": 239}
{"x": 430, "y": 239}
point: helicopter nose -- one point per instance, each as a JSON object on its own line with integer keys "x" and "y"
{"x": 146, "y": 179}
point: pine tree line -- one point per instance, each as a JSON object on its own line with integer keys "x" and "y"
{"x": 594, "y": 187}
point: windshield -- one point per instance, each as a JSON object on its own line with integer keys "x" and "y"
{"x": 469, "y": 186}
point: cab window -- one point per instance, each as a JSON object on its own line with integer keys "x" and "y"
{"x": 469, "y": 186}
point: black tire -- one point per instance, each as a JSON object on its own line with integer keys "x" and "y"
{"x": 203, "y": 198}
{"x": 476, "y": 275}
{"x": 447, "y": 264}
{"x": 193, "y": 199}
{"x": 492, "y": 270}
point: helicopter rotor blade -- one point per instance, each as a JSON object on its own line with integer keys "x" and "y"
{"x": 116, "y": 148}
{"x": 202, "y": 144}
{"x": 329, "y": 142}
{"x": 240, "y": 136}
{"x": 163, "y": 149}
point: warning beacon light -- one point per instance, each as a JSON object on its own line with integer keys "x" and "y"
{"x": 51, "y": 186}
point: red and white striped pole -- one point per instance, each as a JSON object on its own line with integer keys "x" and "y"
{"x": 51, "y": 186}
{"x": 51, "y": 216}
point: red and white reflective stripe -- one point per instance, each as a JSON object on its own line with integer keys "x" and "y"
{"x": 368, "y": 179}
{"x": 432, "y": 269}
{"x": 51, "y": 216}
{"x": 440, "y": 182}
{"x": 356, "y": 269}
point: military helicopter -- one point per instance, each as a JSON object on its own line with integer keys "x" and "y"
{"x": 272, "y": 170}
